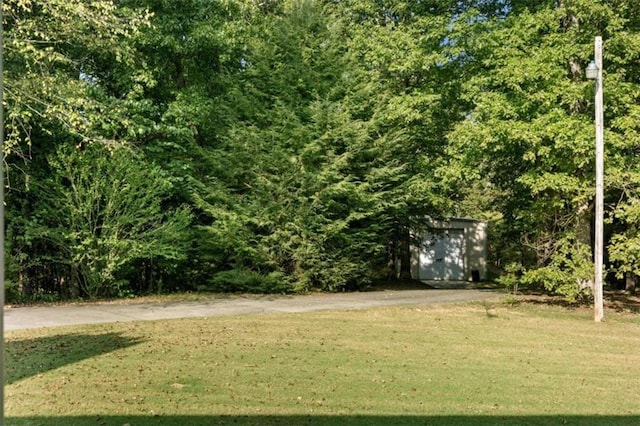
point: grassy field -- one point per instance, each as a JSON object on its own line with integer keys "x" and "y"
{"x": 464, "y": 364}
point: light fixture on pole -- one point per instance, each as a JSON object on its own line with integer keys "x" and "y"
{"x": 594, "y": 72}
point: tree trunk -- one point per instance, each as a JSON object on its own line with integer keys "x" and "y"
{"x": 583, "y": 237}
{"x": 405, "y": 255}
{"x": 179, "y": 73}
{"x": 23, "y": 284}
{"x": 630, "y": 283}
{"x": 73, "y": 285}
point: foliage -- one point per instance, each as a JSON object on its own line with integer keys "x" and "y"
{"x": 54, "y": 56}
{"x": 528, "y": 131}
{"x": 568, "y": 265}
{"x": 247, "y": 281}
{"x": 104, "y": 211}
{"x": 309, "y": 137}
{"x": 511, "y": 277}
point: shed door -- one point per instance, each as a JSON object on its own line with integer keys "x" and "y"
{"x": 442, "y": 255}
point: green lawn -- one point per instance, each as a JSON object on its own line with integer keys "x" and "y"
{"x": 463, "y": 364}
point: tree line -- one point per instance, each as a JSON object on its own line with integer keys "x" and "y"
{"x": 285, "y": 145}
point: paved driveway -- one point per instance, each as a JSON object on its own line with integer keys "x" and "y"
{"x": 53, "y": 316}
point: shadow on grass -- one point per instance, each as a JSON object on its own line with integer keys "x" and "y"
{"x": 357, "y": 420}
{"x": 29, "y": 357}
{"x": 618, "y": 301}
{"x": 621, "y": 301}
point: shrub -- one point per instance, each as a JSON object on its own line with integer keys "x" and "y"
{"x": 102, "y": 209}
{"x": 242, "y": 280}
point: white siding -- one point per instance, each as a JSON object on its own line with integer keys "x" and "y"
{"x": 453, "y": 250}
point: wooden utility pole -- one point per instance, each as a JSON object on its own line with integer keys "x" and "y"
{"x": 599, "y": 218}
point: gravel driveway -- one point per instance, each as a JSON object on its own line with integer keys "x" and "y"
{"x": 16, "y": 318}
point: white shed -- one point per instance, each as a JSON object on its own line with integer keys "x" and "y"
{"x": 453, "y": 250}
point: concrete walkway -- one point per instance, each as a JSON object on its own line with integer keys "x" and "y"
{"x": 16, "y": 318}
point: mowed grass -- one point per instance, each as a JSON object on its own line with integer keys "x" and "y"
{"x": 461, "y": 364}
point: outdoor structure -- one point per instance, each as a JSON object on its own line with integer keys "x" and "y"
{"x": 453, "y": 250}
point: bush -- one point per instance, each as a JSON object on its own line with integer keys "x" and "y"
{"x": 512, "y": 277}
{"x": 101, "y": 210}
{"x": 568, "y": 273}
{"x": 248, "y": 281}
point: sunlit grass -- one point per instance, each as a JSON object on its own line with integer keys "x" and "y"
{"x": 465, "y": 360}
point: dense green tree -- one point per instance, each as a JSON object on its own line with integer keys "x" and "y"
{"x": 72, "y": 81}
{"x": 308, "y": 138}
{"x": 528, "y": 134}
{"x": 332, "y": 140}
{"x": 53, "y": 51}
{"x": 103, "y": 211}
{"x": 262, "y": 219}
